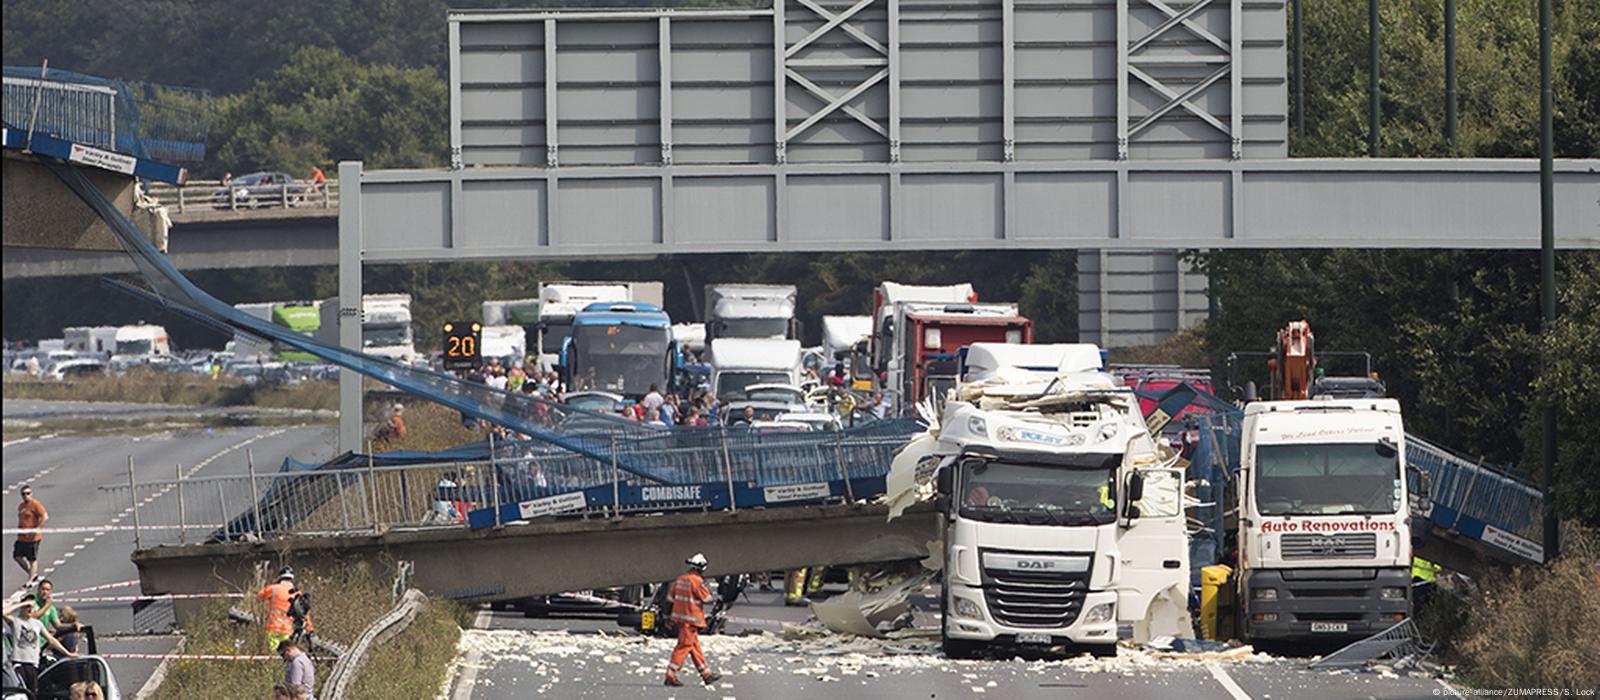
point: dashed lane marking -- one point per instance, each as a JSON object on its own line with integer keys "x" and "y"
{"x": 117, "y": 519}
{"x": 1227, "y": 682}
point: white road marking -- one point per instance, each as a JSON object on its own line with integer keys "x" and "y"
{"x": 27, "y": 439}
{"x": 129, "y": 510}
{"x": 469, "y": 665}
{"x": 1227, "y": 682}
{"x": 29, "y": 480}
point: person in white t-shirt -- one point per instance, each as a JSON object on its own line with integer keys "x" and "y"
{"x": 27, "y": 636}
{"x": 652, "y": 400}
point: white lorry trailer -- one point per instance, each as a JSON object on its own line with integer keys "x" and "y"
{"x": 1062, "y": 517}
{"x": 507, "y": 343}
{"x": 559, "y": 302}
{"x": 91, "y": 339}
{"x": 751, "y": 311}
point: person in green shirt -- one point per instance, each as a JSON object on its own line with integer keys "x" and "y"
{"x": 43, "y": 600}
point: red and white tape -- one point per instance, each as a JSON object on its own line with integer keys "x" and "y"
{"x": 104, "y": 528}
{"x": 204, "y": 657}
{"x": 134, "y": 598}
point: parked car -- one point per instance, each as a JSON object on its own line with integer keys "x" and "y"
{"x": 78, "y": 367}
{"x": 260, "y": 189}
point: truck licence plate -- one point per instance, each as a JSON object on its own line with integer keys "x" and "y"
{"x": 1330, "y": 627}
{"x": 1033, "y": 637}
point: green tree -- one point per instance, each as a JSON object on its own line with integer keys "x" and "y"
{"x": 323, "y": 107}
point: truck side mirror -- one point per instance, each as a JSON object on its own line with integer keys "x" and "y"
{"x": 944, "y": 482}
{"x": 1135, "y": 487}
{"x": 1422, "y": 485}
{"x": 1130, "y": 511}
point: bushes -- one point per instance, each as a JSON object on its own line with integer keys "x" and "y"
{"x": 1539, "y": 628}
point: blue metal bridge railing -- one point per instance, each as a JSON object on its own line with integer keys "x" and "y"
{"x": 146, "y": 120}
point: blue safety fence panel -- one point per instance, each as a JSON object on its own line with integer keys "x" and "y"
{"x": 1479, "y": 502}
{"x": 635, "y": 498}
{"x": 146, "y": 120}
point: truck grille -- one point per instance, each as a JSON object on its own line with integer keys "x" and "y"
{"x": 1034, "y": 598}
{"x": 1303, "y": 545}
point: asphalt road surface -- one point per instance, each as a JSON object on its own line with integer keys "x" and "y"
{"x": 66, "y": 474}
{"x": 592, "y": 657}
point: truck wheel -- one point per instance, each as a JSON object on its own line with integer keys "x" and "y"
{"x": 1103, "y": 651}
{"x": 960, "y": 648}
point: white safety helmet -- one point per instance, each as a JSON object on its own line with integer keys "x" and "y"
{"x": 697, "y": 561}
{"x": 286, "y": 573}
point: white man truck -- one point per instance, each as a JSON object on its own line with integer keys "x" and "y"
{"x": 1324, "y": 529}
{"x": 1062, "y": 519}
{"x": 139, "y": 344}
{"x": 385, "y": 325}
{"x": 751, "y": 311}
{"x": 559, "y": 302}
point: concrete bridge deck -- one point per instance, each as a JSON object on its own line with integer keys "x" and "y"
{"x": 522, "y": 560}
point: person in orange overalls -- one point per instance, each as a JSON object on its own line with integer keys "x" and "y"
{"x": 278, "y": 596}
{"x": 689, "y": 595}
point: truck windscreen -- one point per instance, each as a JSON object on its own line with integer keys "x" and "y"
{"x": 133, "y": 347}
{"x": 731, "y": 385}
{"x": 555, "y": 333}
{"x": 1037, "y": 494}
{"x": 386, "y": 335}
{"x": 619, "y": 358}
{"x": 1327, "y": 479}
{"x": 753, "y": 328}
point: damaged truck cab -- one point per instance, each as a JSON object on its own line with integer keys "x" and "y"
{"x": 1062, "y": 519}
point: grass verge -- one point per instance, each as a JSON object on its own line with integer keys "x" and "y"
{"x": 1538, "y": 627}
{"x": 414, "y": 663}
{"x": 149, "y": 386}
{"x": 345, "y": 601}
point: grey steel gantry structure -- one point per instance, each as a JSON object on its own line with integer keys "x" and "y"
{"x": 1108, "y": 126}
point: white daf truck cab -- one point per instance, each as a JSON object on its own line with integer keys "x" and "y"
{"x": 1062, "y": 518}
{"x": 1324, "y": 527}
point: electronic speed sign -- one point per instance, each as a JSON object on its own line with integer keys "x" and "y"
{"x": 462, "y": 345}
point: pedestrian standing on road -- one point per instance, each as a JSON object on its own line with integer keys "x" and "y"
{"x": 227, "y": 179}
{"x": 30, "y": 515}
{"x": 688, "y": 596}
{"x": 27, "y": 637}
{"x": 319, "y": 181}
{"x": 278, "y": 595}
{"x": 653, "y": 399}
{"x": 298, "y": 669}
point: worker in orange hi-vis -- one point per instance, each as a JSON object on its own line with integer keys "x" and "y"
{"x": 689, "y": 595}
{"x": 278, "y": 596}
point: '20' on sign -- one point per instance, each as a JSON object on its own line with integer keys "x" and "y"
{"x": 462, "y": 345}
